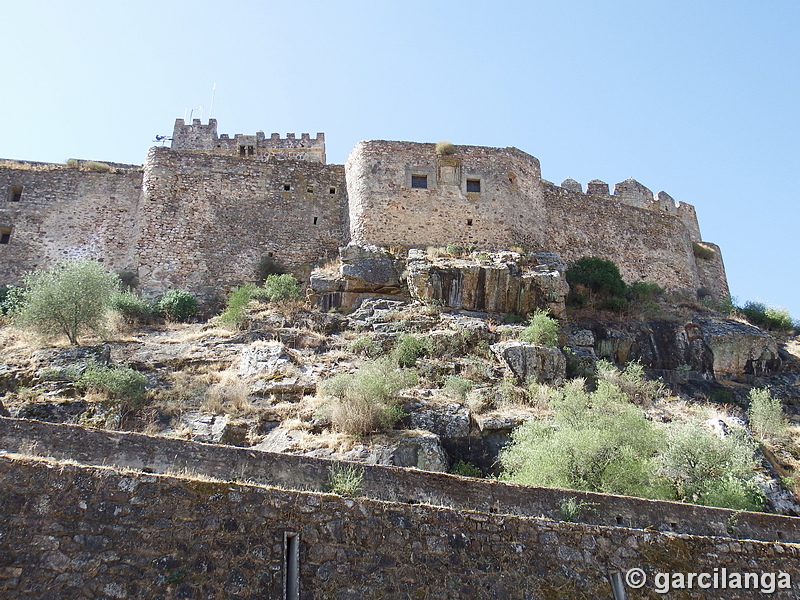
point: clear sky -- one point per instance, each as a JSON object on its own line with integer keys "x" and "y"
{"x": 698, "y": 98}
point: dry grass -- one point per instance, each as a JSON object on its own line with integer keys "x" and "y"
{"x": 230, "y": 395}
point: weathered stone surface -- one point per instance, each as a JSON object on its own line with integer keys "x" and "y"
{"x": 263, "y": 359}
{"x": 532, "y": 361}
{"x": 447, "y": 420}
{"x": 3, "y": 411}
{"x": 740, "y": 351}
{"x": 499, "y": 282}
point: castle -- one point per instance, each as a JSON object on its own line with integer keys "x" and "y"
{"x": 201, "y": 214}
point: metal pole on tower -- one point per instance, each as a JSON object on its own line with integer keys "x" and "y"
{"x": 213, "y": 93}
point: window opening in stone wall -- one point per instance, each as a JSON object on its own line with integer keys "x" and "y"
{"x": 315, "y": 220}
{"x": 474, "y": 186}
{"x": 242, "y": 150}
{"x": 332, "y": 190}
{"x": 309, "y": 190}
{"x": 419, "y": 181}
{"x": 5, "y": 235}
{"x": 250, "y": 151}
{"x": 469, "y": 222}
{"x": 286, "y": 187}
{"x": 291, "y": 565}
{"x": 15, "y": 193}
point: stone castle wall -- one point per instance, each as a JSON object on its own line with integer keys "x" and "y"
{"x": 53, "y": 212}
{"x": 75, "y": 531}
{"x": 206, "y": 220}
{"x": 649, "y": 237}
{"x": 202, "y": 214}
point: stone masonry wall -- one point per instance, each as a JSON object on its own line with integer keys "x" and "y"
{"x": 68, "y": 531}
{"x": 649, "y": 237}
{"x": 205, "y": 220}
{"x": 64, "y": 213}
{"x": 391, "y": 484}
{"x": 386, "y": 210}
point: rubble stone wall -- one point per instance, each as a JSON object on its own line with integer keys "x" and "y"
{"x": 206, "y": 220}
{"x": 68, "y": 531}
{"x": 53, "y": 212}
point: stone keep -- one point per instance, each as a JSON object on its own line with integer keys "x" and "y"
{"x": 202, "y": 214}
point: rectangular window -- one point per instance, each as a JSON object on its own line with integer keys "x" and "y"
{"x": 15, "y": 193}
{"x": 286, "y": 187}
{"x": 5, "y": 235}
{"x": 469, "y": 222}
{"x": 332, "y": 190}
{"x": 242, "y": 150}
{"x": 474, "y": 186}
{"x": 250, "y": 151}
{"x": 419, "y": 181}
{"x": 291, "y": 565}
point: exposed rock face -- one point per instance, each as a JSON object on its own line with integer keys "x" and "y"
{"x": 451, "y": 420}
{"x": 714, "y": 348}
{"x": 532, "y": 361}
{"x": 500, "y": 282}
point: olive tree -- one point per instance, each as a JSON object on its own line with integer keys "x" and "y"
{"x": 70, "y": 298}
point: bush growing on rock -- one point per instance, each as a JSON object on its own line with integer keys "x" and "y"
{"x": 773, "y": 318}
{"x": 115, "y": 381}
{"x": 543, "y": 330}
{"x": 409, "y": 348}
{"x": 279, "y": 288}
{"x": 367, "y": 400}
{"x": 71, "y": 298}
{"x": 765, "y": 414}
{"x": 132, "y": 308}
{"x": 238, "y": 299}
{"x": 177, "y": 305}
{"x": 600, "y": 441}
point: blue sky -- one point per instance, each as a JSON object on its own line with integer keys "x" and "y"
{"x": 699, "y": 99}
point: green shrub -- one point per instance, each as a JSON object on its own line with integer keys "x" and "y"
{"x": 543, "y": 330}
{"x": 765, "y": 414}
{"x": 279, "y": 288}
{"x": 12, "y": 298}
{"x": 117, "y": 382}
{"x": 367, "y": 400}
{"x": 704, "y": 468}
{"x": 454, "y": 250}
{"x": 571, "y": 508}
{"x": 345, "y": 480}
{"x": 465, "y": 469}
{"x": 510, "y": 317}
{"x": 365, "y": 346}
{"x": 132, "y": 308}
{"x": 596, "y": 274}
{"x": 238, "y": 299}
{"x": 445, "y": 147}
{"x": 177, "y": 305}
{"x": 458, "y": 387}
{"x": 703, "y": 251}
{"x": 409, "y": 348}
{"x": 643, "y": 291}
{"x": 70, "y": 298}
{"x": 773, "y": 318}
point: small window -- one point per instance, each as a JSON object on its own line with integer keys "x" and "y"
{"x": 474, "y": 186}
{"x": 315, "y": 220}
{"x": 331, "y": 190}
{"x": 291, "y": 565}
{"x": 250, "y": 151}
{"x": 242, "y": 150}
{"x": 469, "y": 222}
{"x": 309, "y": 190}
{"x": 286, "y": 187}
{"x": 15, "y": 193}
{"x": 419, "y": 181}
{"x": 5, "y": 235}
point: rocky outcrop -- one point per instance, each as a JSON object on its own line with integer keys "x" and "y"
{"x": 493, "y": 282}
{"x": 705, "y": 347}
{"x": 499, "y": 282}
{"x": 532, "y": 361}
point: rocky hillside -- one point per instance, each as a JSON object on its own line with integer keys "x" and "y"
{"x": 443, "y": 318}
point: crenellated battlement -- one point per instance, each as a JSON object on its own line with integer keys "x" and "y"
{"x": 203, "y": 138}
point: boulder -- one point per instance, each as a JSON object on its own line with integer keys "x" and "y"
{"x": 740, "y": 351}
{"x": 532, "y": 361}
{"x": 448, "y": 420}
{"x": 369, "y": 268}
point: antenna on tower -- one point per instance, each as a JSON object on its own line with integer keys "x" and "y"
{"x": 213, "y": 93}
{"x": 191, "y": 114}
